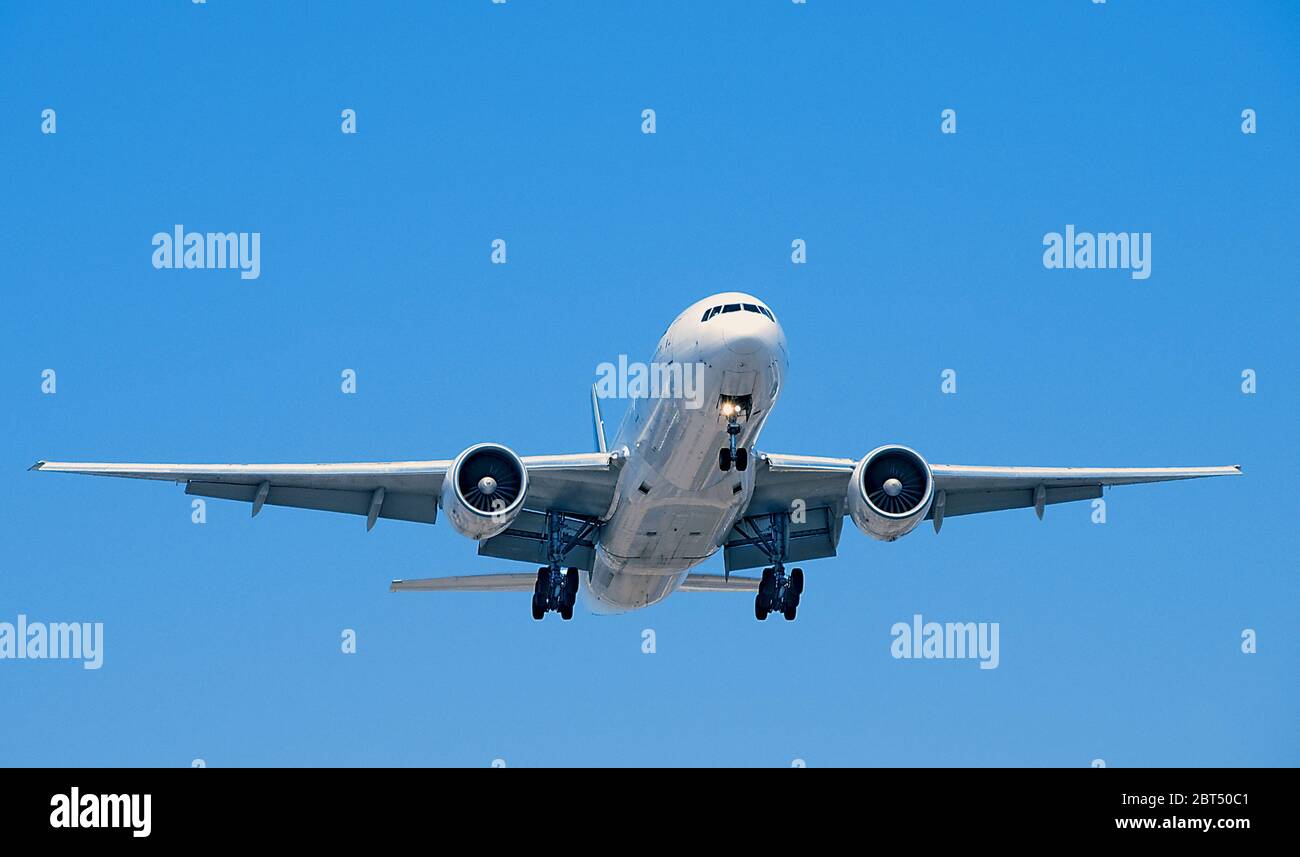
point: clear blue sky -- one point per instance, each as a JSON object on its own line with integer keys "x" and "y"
{"x": 775, "y": 121}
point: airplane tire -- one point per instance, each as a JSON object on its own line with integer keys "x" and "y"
{"x": 796, "y": 582}
{"x": 789, "y": 613}
{"x": 538, "y": 612}
{"x": 742, "y": 458}
{"x": 566, "y": 611}
{"x": 571, "y": 584}
{"x": 760, "y": 609}
{"x": 724, "y": 459}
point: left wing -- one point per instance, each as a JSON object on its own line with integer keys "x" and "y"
{"x": 969, "y": 488}
{"x": 822, "y": 485}
{"x": 400, "y": 490}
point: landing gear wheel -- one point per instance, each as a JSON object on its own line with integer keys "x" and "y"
{"x": 538, "y": 610}
{"x": 789, "y": 613}
{"x": 724, "y": 459}
{"x": 763, "y": 598}
{"x": 570, "y": 595}
{"x": 742, "y": 458}
{"x": 796, "y": 582}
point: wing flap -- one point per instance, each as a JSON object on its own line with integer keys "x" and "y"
{"x": 525, "y": 541}
{"x": 397, "y": 506}
{"x": 815, "y": 537}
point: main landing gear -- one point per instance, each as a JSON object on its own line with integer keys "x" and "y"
{"x": 729, "y": 454}
{"x": 556, "y": 590}
{"x": 778, "y": 592}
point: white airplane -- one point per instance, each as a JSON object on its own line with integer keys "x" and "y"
{"x": 682, "y": 480}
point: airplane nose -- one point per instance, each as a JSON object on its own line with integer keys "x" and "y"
{"x": 747, "y": 333}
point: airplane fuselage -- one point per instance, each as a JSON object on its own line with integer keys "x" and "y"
{"x": 674, "y": 504}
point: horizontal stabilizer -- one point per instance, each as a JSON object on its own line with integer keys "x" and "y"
{"x": 717, "y": 583}
{"x": 468, "y": 583}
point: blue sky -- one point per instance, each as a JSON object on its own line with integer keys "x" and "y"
{"x": 775, "y": 121}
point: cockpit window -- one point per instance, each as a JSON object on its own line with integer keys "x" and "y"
{"x": 762, "y": 310}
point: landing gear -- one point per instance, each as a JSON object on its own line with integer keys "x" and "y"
{"x": 779, "y": 593}
{"x": 729, "y": 454}
{"x": 556, "y": 590}
{"x": 726, "y": 458}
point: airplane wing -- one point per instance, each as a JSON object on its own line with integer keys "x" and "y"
{"x": 400, "y": 490}
{"x": 822, "y": 485}
{"x": 969, "y": 488}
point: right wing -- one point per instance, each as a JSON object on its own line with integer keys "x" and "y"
{"x": 400, "y": 490}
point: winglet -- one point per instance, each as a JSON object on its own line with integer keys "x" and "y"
{"x": 597, "y": 421}
{"x": 37, "y": 466}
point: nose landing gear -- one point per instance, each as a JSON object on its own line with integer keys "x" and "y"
{"x": 728, "y": 457}
{"x": 729, "y": 454}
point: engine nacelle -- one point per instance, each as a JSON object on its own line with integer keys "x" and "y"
{"x": 890, "y": 492}
{"x": 484, "y": 490}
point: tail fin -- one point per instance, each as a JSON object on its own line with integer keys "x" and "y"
{"x": 599, "y": 424}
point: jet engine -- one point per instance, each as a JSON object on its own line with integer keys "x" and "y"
{"x": 890, "y": 492}
{"x": 484, "y": 490}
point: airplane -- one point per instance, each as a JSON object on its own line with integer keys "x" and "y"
{"x": 625, "y": 524}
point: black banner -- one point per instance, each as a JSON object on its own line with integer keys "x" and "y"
{"x": 234, "y": 805}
